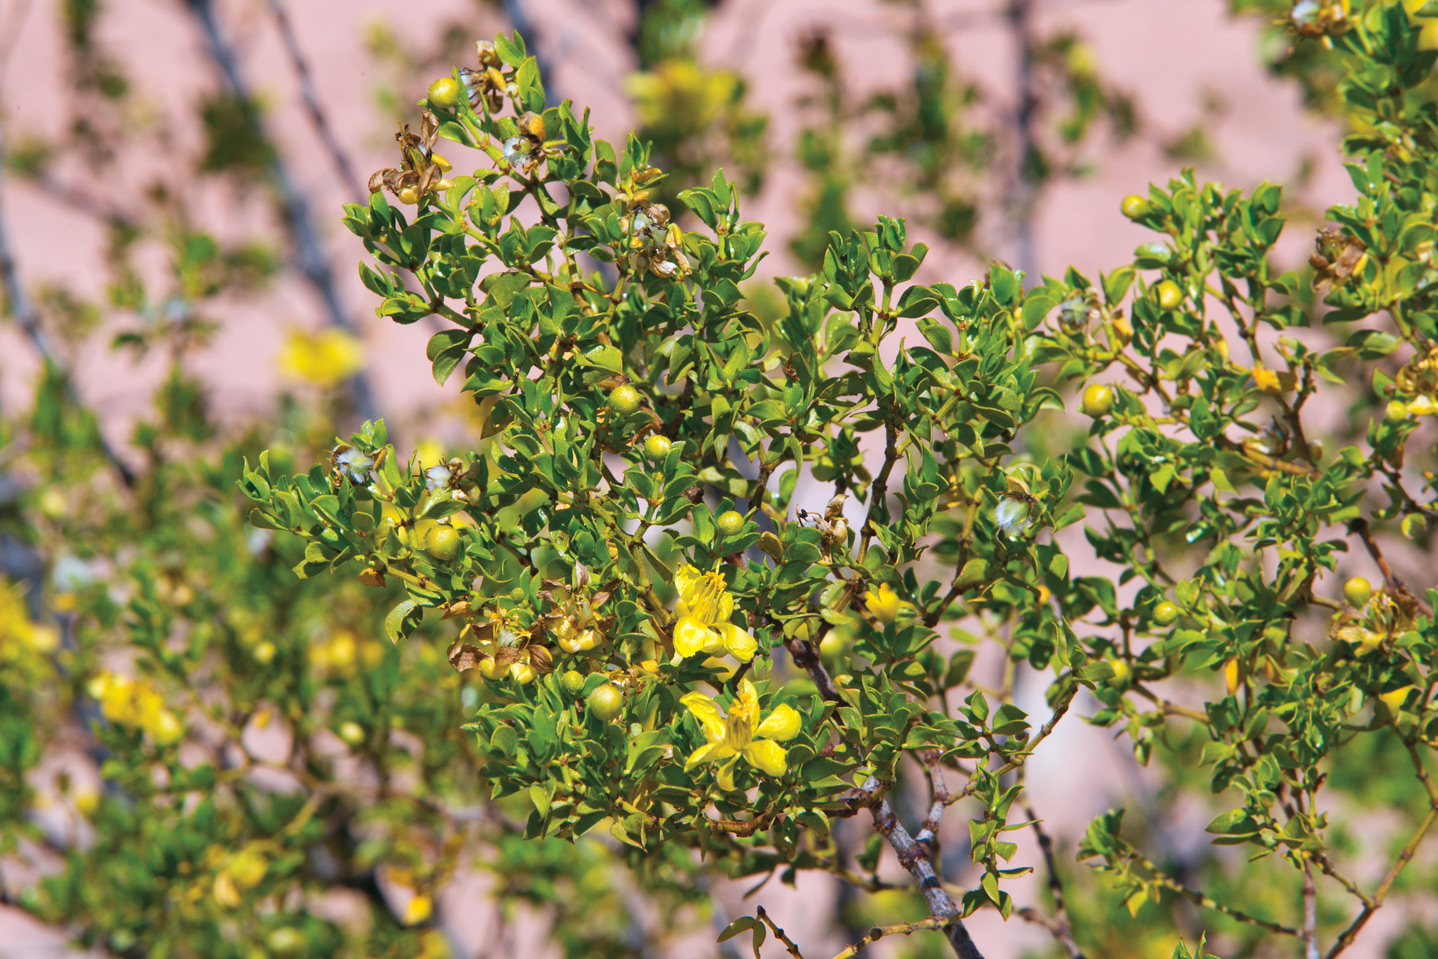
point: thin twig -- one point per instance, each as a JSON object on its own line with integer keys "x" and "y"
{"x": 793, "y": 949}
{"x": 1206, "y": 901}
{"x": 310, "y": 94}
{"x": 30, "y": 323}
{"x": 879, "y": 932}
{"x": 1310, "y": 913}
{"x": 1060, "y": 927}
{"x": 1395, "y": 583}
{"x": 312, "y": 261}
{"x": 1024, "y": 189}
{"x": 1372, "y": 904}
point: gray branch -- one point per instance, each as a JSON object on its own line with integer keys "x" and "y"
{"x": 312, "y": 261}
{"x": 310, "y": 94}
{"x": 29, "y": 322}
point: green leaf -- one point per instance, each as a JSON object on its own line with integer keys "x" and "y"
{"x": 402, "y": 620}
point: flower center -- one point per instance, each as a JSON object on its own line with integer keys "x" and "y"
{"x": 739, "y": 732}
{"x": 707, "y": 594}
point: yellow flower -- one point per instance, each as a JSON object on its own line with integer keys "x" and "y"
{"x": 574, "y": 639}
{"x": 322, "y": 359}
{"x": 704, "y": 610}
{"x": 1273, "y": 382}
{"x": 134, "y": 702}
{"x": 741, "y": 733}
{"x": 419, "y": 909}
{"x": 883, "y": 603}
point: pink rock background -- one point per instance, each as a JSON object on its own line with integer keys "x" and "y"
{"x": 1168, "y": 55}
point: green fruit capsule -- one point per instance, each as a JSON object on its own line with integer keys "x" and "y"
{"x": 1357, "y": 592}
{"x": 1169, "y": 295}
{"x": 572, "y": 682}
{"x": 445, "y": 94}
{"x": 606, "y": 702}
{"x": 1165, "y": 613}
{"x": 1097, "y": 400}
{"x": 730, "y": 522}
{"x": 624, "y": 399}
{"x": 657, "y": 447}
{"x": 1396, "y": 411}
{"x": 1134, "y": 206}
{"x": 352, "y": 732}
{"x": 443, "y": 543}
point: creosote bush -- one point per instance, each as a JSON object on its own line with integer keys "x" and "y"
{"x": 687, "y": 643}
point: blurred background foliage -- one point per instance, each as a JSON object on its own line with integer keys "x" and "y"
{"x": 203, "y": 755}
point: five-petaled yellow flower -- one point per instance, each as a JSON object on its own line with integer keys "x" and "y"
{"x": 742, "y": 734}
{"x": 704, "y": 609}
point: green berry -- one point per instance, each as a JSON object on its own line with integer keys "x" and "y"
{"x": 1357, "y": 592}
{"x": 1134, "y": 206}
{"x": 657, "y": 447}
{"x": 1169, "y": 295}
{"x": 442, "y": 542}
{"x": 624, "y": 399}
{"x": 730, "y": 522}
{"x": 1165, "y": 613}
{"x": 352, "y": 732}
{"x": 606, "y": 702}
{"x": 572, "y": 682}
{"x": 1097, "y": 400}
{"x": 445, "y": 94}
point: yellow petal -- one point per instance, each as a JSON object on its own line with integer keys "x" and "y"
{"x": 691, "y": 637}
{"x": 704, "y": 710}
{"x": 739, "y": 643}
{"x": 1395, "y": 699}
{"x": 748, "y": 704}
{"x": 883, "y": 603}
{"x": 686, "y": 578}
{"x": 1273, "y": 382}
{"x": 419, "y": 909}
{"x": 782, "y": 724}
{"x": 726, "y": 606}
{"x": 768, "y": 756}
{"x": 703, "y": 754}
{"x": 225, "y": 892}
{"x": 725, "y": 775}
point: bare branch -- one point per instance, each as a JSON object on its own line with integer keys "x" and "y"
{"x": 1310, "y": 913}
{"x": 1023, "y": 190}
{"x": 879, "y": 932}
{"x": 30, "y": 323}
{"x": 914, "y": 857}
{"x": 313, "y": 263}
{"x": 789, "y": 945}
{"x": 310, "y": 95}
{"x": 1060, "y": 925}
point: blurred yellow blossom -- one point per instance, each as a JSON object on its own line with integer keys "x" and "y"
{"x": 418, "y": 910}
{"x": 134, "y": 702}
{"x": 322, "y": 359}
{"x": 883, "y": 603}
